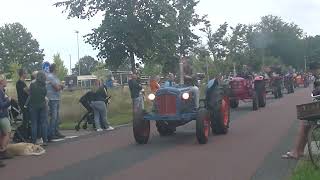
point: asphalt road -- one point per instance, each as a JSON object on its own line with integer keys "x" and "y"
{"x": 251, "y": 150}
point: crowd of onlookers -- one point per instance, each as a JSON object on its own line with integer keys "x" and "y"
{"x": 39, "y": 104}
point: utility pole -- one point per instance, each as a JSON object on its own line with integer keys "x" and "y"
{"x": 207, "y": 68}
{"x": 77, "y": 32}
{"x": 181, "y": 70}
{"x": 70, "y": 64}
{"x": 305, "y": 63}
{"x": 234, "y": 70}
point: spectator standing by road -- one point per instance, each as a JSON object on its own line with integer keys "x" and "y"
{"x": 135, "y": 91}
{"x": 5, "y": 128}
{"x": 54, "y": 88}
{"x": 39, "y": 109}
{"x": 23, "y": 94}
{"x": 99, "y": 106}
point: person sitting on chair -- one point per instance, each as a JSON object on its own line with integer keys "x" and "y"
{"x": 304, "y": 128}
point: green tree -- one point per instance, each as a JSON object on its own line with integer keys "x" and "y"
{"x": 217, "y": 41}
{"x": 18, "y": 46}
{"x": 186, "y": 19}
{"x": 62, "y": 71}
{"x": 312, "y": 45}
{"x": 13, "y": 71}
{"x": 129, "y": 29}
{"x": 87, "y": 66}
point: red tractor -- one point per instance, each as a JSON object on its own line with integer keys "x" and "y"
{"x": 301, "y": 80}
{"x": 252, "y": 89}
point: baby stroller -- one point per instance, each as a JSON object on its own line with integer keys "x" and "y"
{"x": 21, "y": 133}
{"x": 88, "y": 118}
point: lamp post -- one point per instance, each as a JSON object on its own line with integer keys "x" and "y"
{"x": 77, "y": 32}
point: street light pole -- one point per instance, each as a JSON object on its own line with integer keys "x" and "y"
{"x": 70, "y": 64}
{"x": 77, "y": 32}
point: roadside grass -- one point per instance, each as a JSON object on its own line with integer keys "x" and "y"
{"x": 305, "y": 171}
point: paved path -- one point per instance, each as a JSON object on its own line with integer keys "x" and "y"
{"x": 251, "y": 150}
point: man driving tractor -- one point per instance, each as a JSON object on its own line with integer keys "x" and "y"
{"x": 189, "y": 80}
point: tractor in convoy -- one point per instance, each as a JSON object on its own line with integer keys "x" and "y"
{"x": 175, "y": 106}
{"x": 251, "y": 89}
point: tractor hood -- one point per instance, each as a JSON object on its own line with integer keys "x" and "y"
{"x": 173, "y": 90}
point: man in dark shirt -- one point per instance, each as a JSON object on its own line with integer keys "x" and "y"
{"x": 23, "y": 93}
{"x": 135, "y": 89}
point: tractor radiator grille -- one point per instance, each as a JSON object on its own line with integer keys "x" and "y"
{"x": 166, "y": 104}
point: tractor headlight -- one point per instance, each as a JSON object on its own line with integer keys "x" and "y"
{"x": 185, "y": 96}
{"x": 151, "y": 97}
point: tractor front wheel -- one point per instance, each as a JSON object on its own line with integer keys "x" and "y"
{"x": 202, "y": 126}
{"x": 141, "y": 128}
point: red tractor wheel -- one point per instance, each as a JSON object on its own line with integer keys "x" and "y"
{"x": 203, "y": 126}
{"x": 221, "y": 117}
{"x": 141, "y": 128}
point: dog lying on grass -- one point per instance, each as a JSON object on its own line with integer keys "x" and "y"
{"x": 25, "y": 149}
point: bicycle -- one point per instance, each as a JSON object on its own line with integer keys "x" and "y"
{"x": 314, "y": 137}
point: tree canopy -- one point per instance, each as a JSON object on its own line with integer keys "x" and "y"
{"x": 161, "y": 32}
{"x": 17, "y": 46}
{"x": 139, "y": 30}
{"x": 87, "y": 66}
{"x": 62, "y": 71}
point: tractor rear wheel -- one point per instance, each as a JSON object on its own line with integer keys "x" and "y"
{"x": 164, "y": 129}
{"x": 255, "y": 101}
{"x": 220, "y": 118}
{"x": 141, "y": 128}
{"x": 234, "y": 103}
{"x": 203, "y": 126}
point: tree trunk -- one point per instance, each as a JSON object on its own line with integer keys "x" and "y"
{"x": 133, "y": 63}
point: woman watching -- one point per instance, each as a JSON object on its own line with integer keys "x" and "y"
{"x": 39, "y": 108}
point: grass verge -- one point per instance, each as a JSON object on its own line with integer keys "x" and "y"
{"x": 305, "y": 171}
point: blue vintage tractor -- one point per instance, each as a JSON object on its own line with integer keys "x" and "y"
{"x": 175, "y": 106}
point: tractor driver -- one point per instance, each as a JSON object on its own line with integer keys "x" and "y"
{"x": 245, "y": 73}
{"x": 189, "y": 80}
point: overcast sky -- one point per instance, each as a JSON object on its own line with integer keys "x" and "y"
{"x": 57, "y": 34}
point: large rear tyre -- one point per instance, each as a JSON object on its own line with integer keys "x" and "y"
{"x": 255, "y": 101}
{"x": 262, "y": 98}
{"x": 220, "y": 118}
{"x": 314, "y": 145}
{"x": 141, "y": 128}
{"x": 164, "y": 129}
{"x": 234, "y": 103}
{"x": 203, "y": 126}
